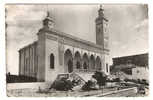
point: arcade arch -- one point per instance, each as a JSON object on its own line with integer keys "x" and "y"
{"x": 68, "y": 61}
{"x": 77, "y": 60}
{"x": 92, "y": 62}
{"x": 85, "y": 61}
{"x": 98, "y": 63}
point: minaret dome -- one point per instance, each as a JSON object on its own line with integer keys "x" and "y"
{"x": 48, "y": 22}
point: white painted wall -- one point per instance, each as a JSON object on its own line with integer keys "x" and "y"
{"x": 52, "y": 47}
{"x": 140, "y": 73}
{"x": 41, "y": 57}
{"x": 107, "y": 61}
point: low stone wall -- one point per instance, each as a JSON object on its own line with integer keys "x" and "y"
{"x": 107, "y": 93}
{"x": 119, "y": 93}
{"x": 33, "y": 85}
{"x": 111, "y": 84}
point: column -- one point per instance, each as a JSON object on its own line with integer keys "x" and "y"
{"x": 20, "y": 62}
{"x": 24, "y": 66}
{"x": 73, "y": 55}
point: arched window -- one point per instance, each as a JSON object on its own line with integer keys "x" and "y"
{"x": 52, "y": 61}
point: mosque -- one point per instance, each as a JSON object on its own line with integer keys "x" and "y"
{"x": 56, "y": 52}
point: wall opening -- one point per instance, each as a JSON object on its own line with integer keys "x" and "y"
{"x": 52, "y": 61}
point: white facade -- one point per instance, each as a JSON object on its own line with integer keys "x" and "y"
{"x": 140, "y": 73}
{"x": 59, "y": 53}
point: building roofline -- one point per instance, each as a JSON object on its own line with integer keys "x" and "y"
{"x": 62, "y": 34}
{"x": 131, "y": 55}
{"x": 27, "y": 45}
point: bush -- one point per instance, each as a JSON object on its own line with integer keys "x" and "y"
{"x": 19, "y": 79}
{"x": 138, "y": 81}
{"x": 88, "y": 86}
{"x": 126, "y": 79}
{"x": 143, "y": 81}
{"x": 100, "y": 77}
{"x": 116, "y": 80}
{"x": 62, "y": 85}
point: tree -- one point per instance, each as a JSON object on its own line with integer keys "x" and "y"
{"x": 62, "y": 84}
{"x": 100, "y": 77}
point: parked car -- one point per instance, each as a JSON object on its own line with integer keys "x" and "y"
{"x": 141, "y": 89}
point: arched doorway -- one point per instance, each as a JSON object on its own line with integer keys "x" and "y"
{"x": 70, "y": 66}
{"x": 68, "y": 61}
{"x": 85, "y": 62}
{"x": 92, "y": 62}
{"x": 98, "y": 63}
{"x": 77, "y": 60}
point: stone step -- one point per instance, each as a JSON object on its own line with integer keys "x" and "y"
{"x": 85, "y": 76}
{"x": 79, "y": 79}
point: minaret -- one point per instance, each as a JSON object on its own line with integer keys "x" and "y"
{"x": 48, "y": 22}
{"x": 101, "y": 23}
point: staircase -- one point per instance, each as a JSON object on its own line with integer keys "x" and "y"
{"x": 85, "y": 76}
{"x": 78, "y": 79}
{"x": 75, "y": 76}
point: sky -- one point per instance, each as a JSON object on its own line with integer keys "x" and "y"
{"x": 127, "y": 27}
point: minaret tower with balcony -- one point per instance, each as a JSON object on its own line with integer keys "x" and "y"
{"x": 101, "y": 29}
